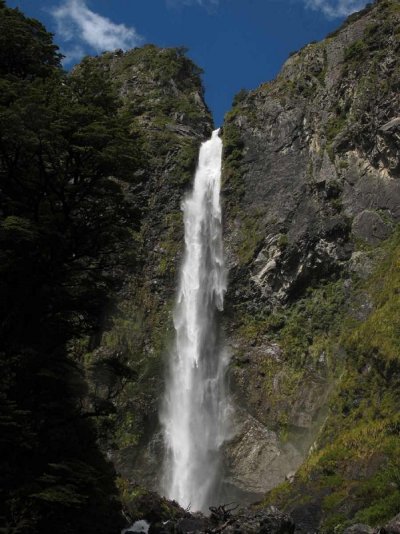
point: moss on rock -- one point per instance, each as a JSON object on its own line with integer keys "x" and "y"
{"x": 352, "y": 472}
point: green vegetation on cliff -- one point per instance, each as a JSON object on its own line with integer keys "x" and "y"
{"x": 353, "y": 472}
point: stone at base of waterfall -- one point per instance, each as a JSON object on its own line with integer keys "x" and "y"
{"x": 254, "y": 458}
{"x": 195, "y": 523}
{"x": 247, "y": 521}
{"x": 267, "y": 521}
{"x": 150, "y": 507}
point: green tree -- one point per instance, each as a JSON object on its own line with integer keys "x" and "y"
{"x": 66, "y": 154}
{"x": 26, "y": 48}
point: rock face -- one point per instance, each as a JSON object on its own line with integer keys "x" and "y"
{"x": 312, "y": 191}
{"x": 255, "y": 458}
{"x": 316, "y": 163}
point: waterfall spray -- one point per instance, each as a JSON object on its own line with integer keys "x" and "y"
{"x": 194, "y": 414}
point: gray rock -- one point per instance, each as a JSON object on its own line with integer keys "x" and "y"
{"x": 268, "y": 521}
{"x": 290, "y": 476}
{"x": 255, "y": 461}
{"x": 359, "y": 529}
{"x": 391, "y": 125}
{"x": 393, "y": 527}
{"x": 370, "y": 227}
{"x": 306, "y": 180}
{"x": 362, "y": 263}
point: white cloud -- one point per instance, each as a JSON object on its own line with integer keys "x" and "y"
{"x": 336, "y": 8}
{"x": 81, "y": 26}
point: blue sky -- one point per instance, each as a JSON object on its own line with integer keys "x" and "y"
{"x": 238, "y": 43}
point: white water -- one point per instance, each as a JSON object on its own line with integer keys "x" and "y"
{"x": 138, "y": 526}
{"x": 195, "y": 406}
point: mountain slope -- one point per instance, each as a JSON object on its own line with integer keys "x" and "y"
{"x": 312, "y": 191}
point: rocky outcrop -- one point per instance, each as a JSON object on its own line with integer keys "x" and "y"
{"x": 316, "y": 162}
{"x": 255, "y": 458}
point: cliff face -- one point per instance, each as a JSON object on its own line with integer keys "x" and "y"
{"x": 311, "y": 159}
{"x": 312, "y": 195}
{"x": 311, "y": 204}
{"x": 162, "y": 92}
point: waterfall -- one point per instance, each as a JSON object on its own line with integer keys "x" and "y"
{"x": 194, "y": 414}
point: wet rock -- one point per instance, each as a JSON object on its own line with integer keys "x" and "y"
{"x": 275, "y": 522}
{"x": 192, "y": 524}
{"x": 246, "y": 521}
{"x": 150, "y": 507}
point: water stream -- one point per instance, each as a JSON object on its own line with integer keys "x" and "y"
{"x": 194, "y": 414}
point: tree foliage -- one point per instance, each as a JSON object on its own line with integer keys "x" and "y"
{"x": 66, "y": 151}
{"x": 26, "y": 48}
